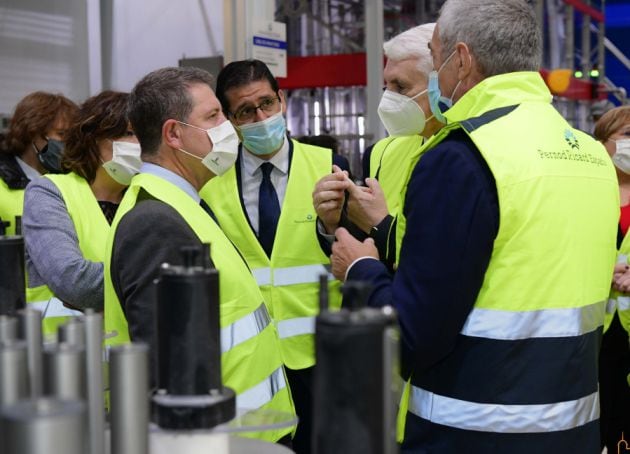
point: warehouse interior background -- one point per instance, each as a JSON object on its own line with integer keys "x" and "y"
{"x": 334, "y": 81}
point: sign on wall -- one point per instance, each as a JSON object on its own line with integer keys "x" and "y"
{"x": 269, "y": 44}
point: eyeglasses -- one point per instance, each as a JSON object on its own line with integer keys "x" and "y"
{"x": 248, "y": 113}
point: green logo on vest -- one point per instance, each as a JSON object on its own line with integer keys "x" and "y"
{"x": 571, "y": 139}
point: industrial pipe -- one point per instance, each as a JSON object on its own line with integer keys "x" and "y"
{"x": 129, "y": 381}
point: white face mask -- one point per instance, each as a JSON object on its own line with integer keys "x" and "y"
{"x": 621, "y": 158}
{"x": 125, "y": 162}
{"x": 400, "y": 114}
{"x": 224, "y": 148}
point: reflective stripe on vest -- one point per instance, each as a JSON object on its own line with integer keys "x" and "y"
{"x": 262, "y": 276}
{"x": 503, "y": 418}
{"x": 306, "y": 274}
{"x": 623, "y": 303}
{"x": 508, "y": 325}
{"x": 54, "y": 308}
{"x": 263, "y": 392}
{"x": 244, "y": 328}
{"x": 295, "y": 327}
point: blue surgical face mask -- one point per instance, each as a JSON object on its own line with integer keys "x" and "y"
{"x": 439, "y": 104}
{"x": 264, "y": 137}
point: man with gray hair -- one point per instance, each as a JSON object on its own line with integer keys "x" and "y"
{"x": 186, "y": 140}
{"x": 505, "y": 265}
{"x": 405, "y": 113}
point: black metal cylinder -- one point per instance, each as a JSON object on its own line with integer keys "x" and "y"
{"x": 355, "y": 382}
{"x": 12, "y": 277}
{"x": 189, "y": 349}
{"x": 188, "y": 331}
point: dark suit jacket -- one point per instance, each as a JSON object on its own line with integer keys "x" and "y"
{"x": 150, "y": 234}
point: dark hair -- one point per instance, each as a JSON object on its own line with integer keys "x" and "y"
{"x": 35, "y": 114}
{"x": 322, "y": 140}
{"x": 240, "y": 73}
{"x": 101, "y": 117}
{"x": 159, "y": 96}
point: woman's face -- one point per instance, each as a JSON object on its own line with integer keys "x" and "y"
{"x": 620, "y": 134}
{"x": 57, "y": 131}
{"x": 106, "y": 147}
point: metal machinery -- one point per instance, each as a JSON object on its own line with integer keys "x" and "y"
{"x": 575, "y": 42}
{"x": 332, "y": 42}
{"x": 52, "y": 397}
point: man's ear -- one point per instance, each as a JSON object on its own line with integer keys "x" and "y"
{"x": 172, "y": 133}
{"x": 283, "y": 101}
{"x": 465, "y": 67}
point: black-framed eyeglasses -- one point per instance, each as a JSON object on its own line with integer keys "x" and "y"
{"x": 248, "y": 113}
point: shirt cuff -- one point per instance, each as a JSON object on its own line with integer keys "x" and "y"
{"x": 322, "y": 231}
{"x": 357, "y": 261}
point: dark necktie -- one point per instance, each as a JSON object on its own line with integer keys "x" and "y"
{"x": 268, "y": 209}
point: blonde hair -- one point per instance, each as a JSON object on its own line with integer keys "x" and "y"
{"x": 611, "y": 122}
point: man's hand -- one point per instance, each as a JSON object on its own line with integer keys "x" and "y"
{"x": 621, "y": 278}
{"x": 347, "y": 249}
{"x": 328, "y": 198}
{"x": 367, "y": 206}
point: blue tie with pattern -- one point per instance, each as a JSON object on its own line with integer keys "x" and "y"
{"x": 268, "y": 209}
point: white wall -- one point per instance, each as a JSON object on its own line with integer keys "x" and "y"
{"x": 150, "y": 34}
{"x": 55, "y": 45}
{"x": 43, "y": 46}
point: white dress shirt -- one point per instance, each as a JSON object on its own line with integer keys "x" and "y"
{"x": 172, "y": 178}
{"x": 251, "y": 177}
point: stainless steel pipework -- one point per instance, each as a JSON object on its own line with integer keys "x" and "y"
{"x": 64, "y": 372}
{"x": 13, "y": 372}
{"x": 94, "y": 361}
{"x": 8, "y": 328}
{"x": 35, "y": 426}
{"x": 30, "y": 330}
{"x": 129, "y": 380}
{"x": 72, "y": 332}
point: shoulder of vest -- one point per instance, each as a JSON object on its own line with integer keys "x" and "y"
{"x": 309, "y": 152}
{"x": 474, "y": 123}
{"x": 383, "y": 143}
{"x": 305, "y": 147}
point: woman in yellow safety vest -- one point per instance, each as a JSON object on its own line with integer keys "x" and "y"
{"x": 613, "y": 130}
{"x": 67, "y": 217}
{"x": 32, "y": 147}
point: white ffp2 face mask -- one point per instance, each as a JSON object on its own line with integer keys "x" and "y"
{"x": 125, "y": 162}
{"x": 621, "y": 158}
{"x": 224, "y": 148}
{"x": 400, "y": 114}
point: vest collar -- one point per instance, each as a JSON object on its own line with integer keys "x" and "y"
{"x": 11, "y": 173}
{"x": 499, "y": 91}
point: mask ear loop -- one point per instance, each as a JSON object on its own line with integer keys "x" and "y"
{"x": 459, "y": 82}
{"x": 426, "y": 90}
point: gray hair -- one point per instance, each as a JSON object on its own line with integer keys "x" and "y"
{"x": 412, "y": 43}
{"x": 159, "y": 96}
{"x": 502, "y": 35}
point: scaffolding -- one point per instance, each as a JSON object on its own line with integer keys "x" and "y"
{"x": 573, "y": 40}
